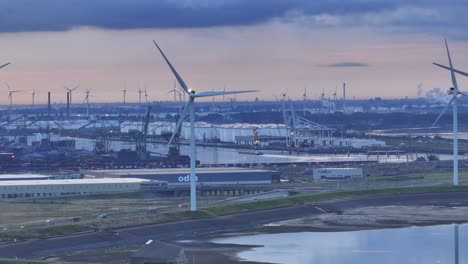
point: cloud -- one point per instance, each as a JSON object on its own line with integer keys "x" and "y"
{"x": 348, "y": 64}
{"x": 440, "y": 17}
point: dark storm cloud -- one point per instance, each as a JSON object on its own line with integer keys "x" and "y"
{"x": 60, "y": 15}
{"x": 347, "y": 64}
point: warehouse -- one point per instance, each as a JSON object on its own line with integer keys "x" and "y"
{"x": 55, "y": 188}
{"x": 335, "y": 173}
{"x": 23, "y": 177}
{"x": 205, "y": 176}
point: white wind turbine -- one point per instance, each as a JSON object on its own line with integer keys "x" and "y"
{"x": 10, "y": 96}
{"x": 124, "y": 90}
{"x": 190, "y": 106}
{"x": 454, "y": 92}
{"x": 33, "y": 93}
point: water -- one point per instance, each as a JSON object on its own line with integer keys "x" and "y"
{"x": 416, "y": 245}
{"x": 211, "y": 155}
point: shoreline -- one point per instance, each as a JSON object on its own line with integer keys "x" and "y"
{"x": 238, "y": 223}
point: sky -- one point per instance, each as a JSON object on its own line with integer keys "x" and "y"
{"x": 379, "y": 48}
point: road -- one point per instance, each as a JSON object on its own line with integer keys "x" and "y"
{"x": 196, "y": 228}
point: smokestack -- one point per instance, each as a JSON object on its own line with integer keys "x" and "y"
{"x": 68, "y": 104}
{"x": 48, "y": 105}
{"x": 48, "y": 116}
{"x": 344, "y": 97}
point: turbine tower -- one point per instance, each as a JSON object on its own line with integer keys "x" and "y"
{"x": 124, "y": 90}
{"x": 146, "y": 96}
{"x": 10, "y": 97}
{"x": 304, "y": 98}
{"x": 86, "y": 100}
{"x": 33, "y": 93}
{"x": 454, "y": 92}
{"x": 190, "y": 106}
{"x": 139, "y": 95}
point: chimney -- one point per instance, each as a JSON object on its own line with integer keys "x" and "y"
{"x": 344, "y": 97}
{"x": 68, "y": 104}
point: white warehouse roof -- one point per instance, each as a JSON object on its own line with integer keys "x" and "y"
{"x": 73, "y": 181}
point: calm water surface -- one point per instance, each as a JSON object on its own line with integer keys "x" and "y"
{"x": 418, "y": 245}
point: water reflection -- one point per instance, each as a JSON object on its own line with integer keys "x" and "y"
{"x": 405, "y": 245}
{"x": 211, "y": 155}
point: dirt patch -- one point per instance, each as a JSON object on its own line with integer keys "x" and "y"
{"x": 373, "y": 218}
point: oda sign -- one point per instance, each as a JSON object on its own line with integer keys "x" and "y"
{"x": 186, "y": 178}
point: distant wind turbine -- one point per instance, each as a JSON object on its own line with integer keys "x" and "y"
{"x": 190, "y": 106}
{"x": 139, "y": 95}
{"x": 10, "y": 96}
{"x": 71, "y": 90}
{"x": 86, "y": 101}
{"x": 33, "y": 93}
{"x": 146, "y": 96}
{"x": 454, "y": 92}
{"x": 124, "y": 90}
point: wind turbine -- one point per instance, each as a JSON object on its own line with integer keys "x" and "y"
{"x": 86, "y": 100}
{"x": 10, "y": 96}
{"x": 146, "y": 96}
{"x": 33, "y": 93}
{"x": 175, "y": 92}
{"x": 71, "y": 90}
{"x": 4, "y": 65}
{"x": 124, "y": 90}
{"x": 139, "y": 95}
{"x": 190, "y": 106}
{"x": 454, "y": 92}
{"x": 304, "y": 97}
{"x": 334, "y": 100}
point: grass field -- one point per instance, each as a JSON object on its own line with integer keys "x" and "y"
{"x": 129, "y": 211}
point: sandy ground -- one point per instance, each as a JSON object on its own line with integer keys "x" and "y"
{"x": 373, "y": 217}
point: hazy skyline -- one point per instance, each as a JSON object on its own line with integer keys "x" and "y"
{"x": 379, "y": 49}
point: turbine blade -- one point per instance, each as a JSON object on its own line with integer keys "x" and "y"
{"x": 74, "y": 88}
{"x": 452, "y": 73}
{"x": 207, "y": 94}
{"x": 181, "y": 120}
{"x": 4, "y": 65}
{"x": 448, "y": 68}
{"x": 8, "y": 86}
{"x": 179, "y": 79}
{"x": 444, "y": 110}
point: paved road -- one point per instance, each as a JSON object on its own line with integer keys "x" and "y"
{"x": 195, "y": 228}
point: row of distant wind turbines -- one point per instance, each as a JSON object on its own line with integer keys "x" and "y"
{"x": 70, "y": 92}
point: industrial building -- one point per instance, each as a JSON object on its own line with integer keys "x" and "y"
{"x": 335, "y": 173}
{"x": 205, "y": 176}
{"x": 56, "y": 188}
{"x": 306, "y": 133}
